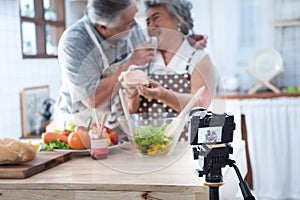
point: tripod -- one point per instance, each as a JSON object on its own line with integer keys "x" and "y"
{"x": 214, "y": 160}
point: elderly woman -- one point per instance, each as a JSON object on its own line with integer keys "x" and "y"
{"x": 179, "y": 69}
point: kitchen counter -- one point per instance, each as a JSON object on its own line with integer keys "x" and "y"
{"x": 85, "y": 178}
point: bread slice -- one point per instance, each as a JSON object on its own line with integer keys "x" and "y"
{"x": 135, "y": 78}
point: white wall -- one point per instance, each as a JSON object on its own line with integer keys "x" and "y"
{"x": 74, "y": 11}
{"x": 17, "y": 73}
{"x": 228, "y": 31}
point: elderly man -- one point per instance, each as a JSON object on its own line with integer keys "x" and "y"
{"x": 92, "y": 54}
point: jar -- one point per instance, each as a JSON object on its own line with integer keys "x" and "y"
{"x": 99, "y": 144}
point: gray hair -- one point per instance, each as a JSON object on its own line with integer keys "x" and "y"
{"x": 106, "y": 12}
{"x": 180, "y": 9}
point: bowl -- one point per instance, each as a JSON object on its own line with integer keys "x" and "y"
{"x": 146, "y": 132}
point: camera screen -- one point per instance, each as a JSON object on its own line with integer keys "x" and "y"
{"x": 210, "y": 135}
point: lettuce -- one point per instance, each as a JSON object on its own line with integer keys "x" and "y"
{"x": 147, "y": 137}
{"x": 56, "y": 144}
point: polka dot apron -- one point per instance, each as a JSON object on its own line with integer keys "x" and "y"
{"x": 178, "y": 83}
{"x": 175, "y": 82}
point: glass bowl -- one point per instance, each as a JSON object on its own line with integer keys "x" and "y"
{"x": 146, "y": 132}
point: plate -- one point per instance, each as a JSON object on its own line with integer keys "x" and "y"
{"x": 87, "y": 151}
{"x": 265, "y": 63}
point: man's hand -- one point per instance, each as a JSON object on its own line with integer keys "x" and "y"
{"x": 199, "y": 41}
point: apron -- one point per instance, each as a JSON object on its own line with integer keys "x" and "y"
{"x": 112, "y": 107}
{"x": 175, "y": 82}
{"x": 114, "y": 104}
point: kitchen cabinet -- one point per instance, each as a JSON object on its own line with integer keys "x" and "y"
{"x": 239, "y": 101}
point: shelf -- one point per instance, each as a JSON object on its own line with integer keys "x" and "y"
{"x": 287, "y": 22}
{"x": 264, "y": 95}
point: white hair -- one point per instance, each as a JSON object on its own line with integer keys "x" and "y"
{"x": 106, "y": 12}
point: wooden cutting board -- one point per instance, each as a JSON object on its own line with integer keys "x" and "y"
{"x": 43, "y": 161}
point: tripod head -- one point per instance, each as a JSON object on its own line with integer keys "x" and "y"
{"x": 210, "y": 134}
{"x": 215, "y": 158}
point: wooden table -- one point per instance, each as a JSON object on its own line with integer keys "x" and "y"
{"x": 85, "y": 178}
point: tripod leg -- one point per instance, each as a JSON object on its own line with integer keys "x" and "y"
{"x": 214, "y": 193}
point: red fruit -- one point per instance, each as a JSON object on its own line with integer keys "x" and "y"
{"x": 80, "y": 128}
{"x": 108, "y": 130}
{"x": 114, "y": 137}
{"x": 79, "y": 140}
{"x": 66, "y": 133}
{"x": 74, "y": 141}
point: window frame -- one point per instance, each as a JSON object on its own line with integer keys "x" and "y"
{"x": 40, "y": 23}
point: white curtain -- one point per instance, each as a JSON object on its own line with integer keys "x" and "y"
{"x": 273, "y": 130}
{"x": 221, "y": 21}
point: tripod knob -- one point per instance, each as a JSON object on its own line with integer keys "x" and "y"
{"x": 200, "y": 173}
{"x": 195, "y": 153}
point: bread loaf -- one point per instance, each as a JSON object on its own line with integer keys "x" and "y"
{"x": 15, "y": 152}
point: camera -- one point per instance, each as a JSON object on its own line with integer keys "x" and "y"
{"x": 210, "y": 135}
{"x": 206, "y": 127}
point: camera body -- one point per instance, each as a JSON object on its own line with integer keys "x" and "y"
{"x": 206, "y": 127}
{"x": 210, "y": 135}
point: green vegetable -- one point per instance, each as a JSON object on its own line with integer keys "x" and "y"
{"x": 147, "y": 137}
{"x": 89, "y": 123}
{"x": 70, "y": 127}
{"x": 56, "y": 144}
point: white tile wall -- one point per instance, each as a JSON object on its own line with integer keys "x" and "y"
{"x": 287, "y": 42}
{"x": 17, "y": 73}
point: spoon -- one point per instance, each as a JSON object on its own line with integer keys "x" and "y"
{"x": 126, "y": 111}
{"x": 176, "y": 123}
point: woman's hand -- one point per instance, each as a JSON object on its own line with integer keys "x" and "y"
{"x": 143, "y": 54}
{"x": 155, "y": 91}
{"x": 130, "y": 91}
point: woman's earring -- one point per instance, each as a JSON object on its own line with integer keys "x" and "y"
{"x": 179, "y": 27}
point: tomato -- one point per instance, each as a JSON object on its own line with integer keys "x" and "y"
{"x": 66, "y": 133}
{"x": 114, "y": 137}
{"x": 79, "y": 140}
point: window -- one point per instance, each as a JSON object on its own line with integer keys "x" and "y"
{"x": 248, "y": 26}
{"x": 42, "y": 23}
